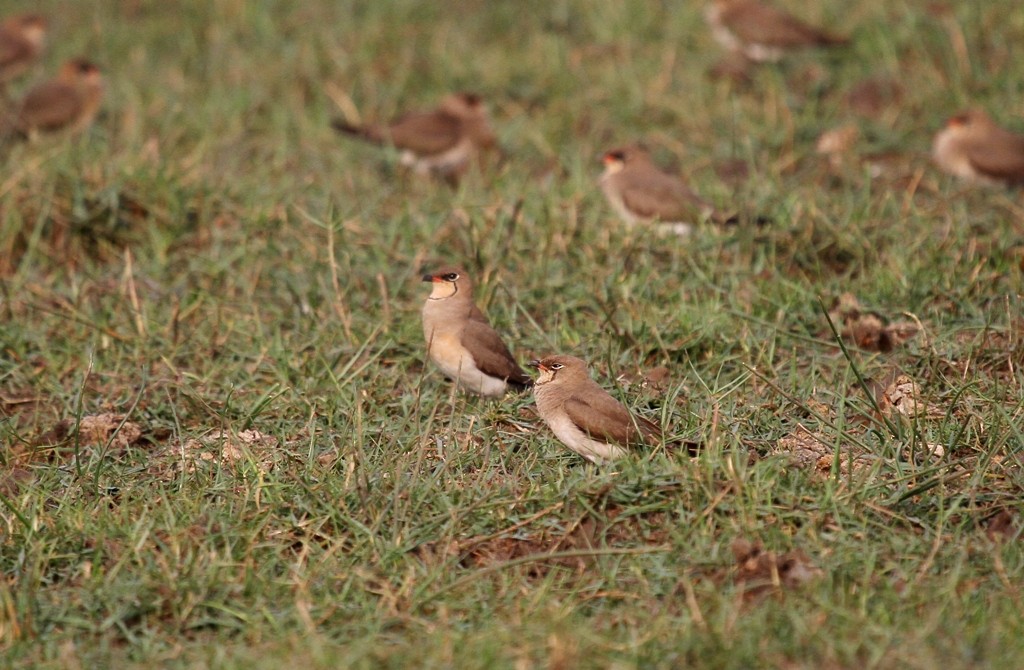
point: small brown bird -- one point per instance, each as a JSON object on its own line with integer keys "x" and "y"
{"x": 583, "y": 416}
{"x": 22, "y": 39}
{"x": 70, "y": 100}
{"x": 462, "y": 342}
{"x": 761, "y": 32}
{"x": 442, "y": 141}
{"x": 640, "y": 192}
{"x": 973, "y": 147}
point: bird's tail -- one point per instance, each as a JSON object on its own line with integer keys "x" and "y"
{"x": 830, "y": 40}
{"x": 521, "y": 382}
{"x": 758, "y": 220}
{"x": 368, "y": 133}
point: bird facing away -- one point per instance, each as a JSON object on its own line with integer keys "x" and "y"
{"x": 462, "y": 342}
{"x": 70, "y": 100}
{"x": 640, "y": 192}
{"x": 582, "y": 415}
{"x": 441, "y": 141}
{"x": 973, "y": 147}
{"x": 761, "y": 32}
{"x": 22, "y": 39}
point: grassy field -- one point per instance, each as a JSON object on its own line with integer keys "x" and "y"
{"x": 222, "y": 448}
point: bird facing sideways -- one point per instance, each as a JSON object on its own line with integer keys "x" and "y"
{"x": 971, "y": 146}
{"x": 442, "y": 141}
{"x": 761, "y": 32}
{"x": 585, "y": 417}
{"x": 22, "y": 39}
{"x": 640, "y": 192}
{"x": 460, "y": 340}
{"x": 69, "y": 101}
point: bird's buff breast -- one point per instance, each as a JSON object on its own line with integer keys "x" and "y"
{"x": 569, "y": 434}
{"x": 950, "y": 154}
{"x": 448, "y": 354}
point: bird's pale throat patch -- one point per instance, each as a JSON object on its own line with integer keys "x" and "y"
{"x": 443, "y": 289}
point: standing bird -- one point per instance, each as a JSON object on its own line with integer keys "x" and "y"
{"x": 462, "y": 342}
{"x": 442, "y": 141}
{"x": 763, "y": 33}
{"x": 582, "y": 415}
{"x": 70, "y": 100}
{"x": 639, "y": 191}
{"x": 973, "y": 147}
{"x": 22, "y": 39}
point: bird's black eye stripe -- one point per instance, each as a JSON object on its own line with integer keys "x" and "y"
{"x": 451, "y": 276}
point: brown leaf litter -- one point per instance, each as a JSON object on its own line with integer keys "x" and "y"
{"x": 586, "y": 533}
{"x": 903, "y": 398}
{"x": 868, "y": 330}
{"x": 656, "y": 378}
{"x": 818, "y": 452}
{"x": 229, "y": 447}
{"x": 836, "y": 142}
{"x": 759, "y": 572}
{"x": 874, "y": 96}
{"x": 94, "y": 430}
{"x": 1002, "y": 526}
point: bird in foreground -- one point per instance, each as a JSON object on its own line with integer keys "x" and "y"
{"x": 70, "y": 101}
{"x": 462, "y": 342}
{"x": 973, "y": 147}
{"x": 640, "y": 192}
{"x": 585, "y": 417}
{"x": 761, "y": 32}
{"x": 22, "y": 39}
{"x": 442, "y": 141}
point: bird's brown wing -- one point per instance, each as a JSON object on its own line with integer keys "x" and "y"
{"x": 604, "y": 418}
{"x": 491, "y": 355}
{"x": 1002, "y": 160}
{"x": 48, "y": 107}
{"x": 476, "y": 315}
{"x": 665, "y": 198}
{"x": 425, "y": 133}
{"x": 13, "y": 50}
{"x": 757, "y": 23}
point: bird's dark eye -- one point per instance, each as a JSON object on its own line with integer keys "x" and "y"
{"x": 557, "y": 366}
{"x": 451, "y": 276}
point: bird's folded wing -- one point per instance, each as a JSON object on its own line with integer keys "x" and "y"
{"x": 13, "y": 51}
{"x": 666, "y": 201}
{"x": 425, "y": 133}
{"x": 476, "y": 315}
{"x": 603, "y": 418}
{"x": 1000, "y": 161}
{"x": 49, "y": 107}
{"x": 489, "y": 352}
{"x": 762, "y": 24}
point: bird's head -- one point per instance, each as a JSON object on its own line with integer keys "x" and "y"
{"x": 971, "y": 118}
{"x": 464, "y": 105}
{"x": 32, "y": 27}
{"x": 81, "y": 71}
{"x": 448, "y": 282}
{"x": 559, "y": 369}
{"x": 616, "y": 159}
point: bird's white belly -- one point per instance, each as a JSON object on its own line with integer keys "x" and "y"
{"x": 681, "y": 228}
{"x": 615, "y": 200}
{"x": 574, "y": 438}
{"x": 451, "y": 160}
{"x": 953, "y": 159}
{"x": 456, "y": 363}
{"x": 759, "y": 53}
